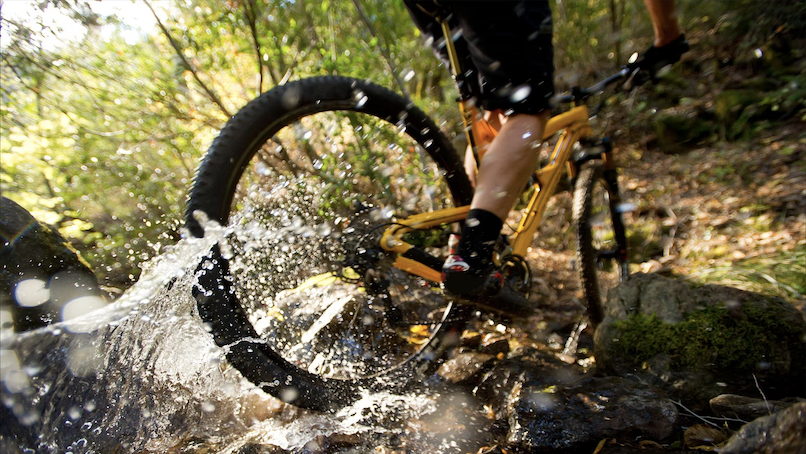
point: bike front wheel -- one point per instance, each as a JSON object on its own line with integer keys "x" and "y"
{"x": 306, "y": 178}
{"x": 601, "y": 235}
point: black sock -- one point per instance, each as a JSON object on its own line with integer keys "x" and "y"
{"x": 479, "y": 234}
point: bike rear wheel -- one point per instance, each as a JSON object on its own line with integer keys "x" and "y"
{"x": 306, "y": 177}
{"x": 601, "y": 236}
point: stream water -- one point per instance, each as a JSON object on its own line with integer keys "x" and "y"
{"x": 144, "y": 375}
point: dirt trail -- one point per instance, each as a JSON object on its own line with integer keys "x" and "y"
{"x": 731, "y": 213}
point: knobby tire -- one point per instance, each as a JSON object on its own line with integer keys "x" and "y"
{"x": 592, "y": 216}
{"x": 213, "y": 194}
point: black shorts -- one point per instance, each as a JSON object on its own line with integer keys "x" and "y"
{"x": 508, "y": 43}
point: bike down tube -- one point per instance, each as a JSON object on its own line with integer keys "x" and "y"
{"x": 547, "y": 179}
{"x": 574, "y": 124}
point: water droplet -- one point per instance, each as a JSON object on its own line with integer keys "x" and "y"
{"x": 408, "y": 75}
{"x": 74, "y": 412}
{"x": 289, "y": 394}
{"x": 360, "y": 98}
{"x": 323, "y": 230}
{"x": 290, "y": 98}
{"x": 520, "y": 93}
{"x": 207, "y": 407}
{"x": 31, "y": 293}
{"x": 626, "y": 207}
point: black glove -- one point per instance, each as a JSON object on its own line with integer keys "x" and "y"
{"x": 649, "y": 63}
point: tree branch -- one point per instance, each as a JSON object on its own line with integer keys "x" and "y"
{"x": 381, "y": 48}
{"x": 213, "y": 97}
{"x": 250, "y": 11}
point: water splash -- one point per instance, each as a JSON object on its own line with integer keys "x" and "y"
{"x": 144, "y": 375}
{"x": 297, "y": 429}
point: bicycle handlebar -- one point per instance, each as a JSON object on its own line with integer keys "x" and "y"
{"x": 580, "y": 94}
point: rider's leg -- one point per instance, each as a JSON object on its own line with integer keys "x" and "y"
{"x": 664, "y": 21}
{"x": 510, "y": 46}
{"x": 503, "y": 173}
{"x": 508, "y": 163}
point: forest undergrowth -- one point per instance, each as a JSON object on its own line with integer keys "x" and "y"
{"x": 710, "y": 206}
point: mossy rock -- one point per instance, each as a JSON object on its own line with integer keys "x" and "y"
{"x": 730, "y": 104}
{"x": 736, "y": 109}
{"x": 676, "y": 132}
{"x": 699, "y": 342}
{"x": 51, "y": 272}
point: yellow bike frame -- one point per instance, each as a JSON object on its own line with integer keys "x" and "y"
{"x": 574, "y": 126}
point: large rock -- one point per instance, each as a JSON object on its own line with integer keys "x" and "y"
{"x": 747, "y": 408}
{"x": 779, "y": 433}
{"x": 575, "y": 417}
{"x": 699, "y": 342}
{"x": 42, "y": 279}
{"x": 542, "y": 404}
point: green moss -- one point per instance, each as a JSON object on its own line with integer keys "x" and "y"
{"x": 721, "y": 339}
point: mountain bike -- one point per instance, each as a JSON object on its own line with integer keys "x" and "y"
{"x": 340, "y": 197}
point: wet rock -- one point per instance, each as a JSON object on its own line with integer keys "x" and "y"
{"x": 747, "y": 408}
{"x": 470, "y": 340}
{"x": 457, "y": 421}
{"x": 526, "y": 365}
{"x": 540, "y": 403}
{"x": 780, "y": 433}
{"x": 703, "y": 436}
{"x": 571, "y": 418}
{"x": 254, "y": 448}
{"x": 697, "y": 343}
{"x": 43, "y": 280}
{"x": 495, "y": 345}
{"x": 464, "y": 366}
{"x": 491, "y": 450}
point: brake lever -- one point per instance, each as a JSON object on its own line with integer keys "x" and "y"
{"x": 635, "y": 79}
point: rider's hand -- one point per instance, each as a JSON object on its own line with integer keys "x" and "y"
{"x": 650, "y": 63}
